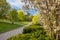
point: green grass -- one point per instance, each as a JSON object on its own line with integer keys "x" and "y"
{"x": 19, "y": 23}
{"x": 6, "y": 25}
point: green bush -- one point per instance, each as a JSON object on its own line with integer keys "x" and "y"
{"x": 32, "y": 28}
{"x": 21, "y": 15}
{"x": 31, "y": 36}
{"x": 33, "y": 32}
{"x": 35, "y": 19}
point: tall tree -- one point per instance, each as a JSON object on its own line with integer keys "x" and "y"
{"x": 4, "y": 7}
{"x": 50, "y": 13}
{"x": 13, "y": 16}
{"x": 21, "y": 15}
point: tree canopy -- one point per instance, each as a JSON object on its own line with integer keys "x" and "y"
{"x": 4, "y": 7}
{"x": 21, "y": 15}
{"x": 49, "y": 11}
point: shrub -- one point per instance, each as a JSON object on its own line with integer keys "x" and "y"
{"x": 33, "y": 32}
{"x": 29, "y": 17}
{"x": 31, "y": 36}
{"x": 32, "y": 28}
{"x": 35, "y": 19}
{"x": 21, "y": 15}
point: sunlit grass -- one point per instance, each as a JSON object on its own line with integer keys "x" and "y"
{"x": 6, "y": 25}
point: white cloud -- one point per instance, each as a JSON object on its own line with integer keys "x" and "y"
{"x": 17, "y": 3}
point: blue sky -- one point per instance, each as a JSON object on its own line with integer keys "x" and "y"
{"x": 17, "y": 4}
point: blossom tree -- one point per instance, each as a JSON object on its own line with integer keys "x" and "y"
{"x": 50, "y": 13}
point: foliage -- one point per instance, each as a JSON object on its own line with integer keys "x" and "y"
{"x": 21, "y": 15}
{"x": 4, "y": 7}
{"x": 29, "y": 17}
{"x": 32, "y": 28}
{"x": 35, "y": 19}
{"x": 12, "y": 16}
{"x": 37, "y": 35}
{"x": 50, "y": 12}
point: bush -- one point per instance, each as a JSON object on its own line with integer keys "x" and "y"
{"x": 38, "y": 35}
{"x": 21, "y": 16}
{"x": 33, "y": 32}
{"x": 32, "y": 28}
{"x": 35, "y": 19}
{"x": 29, "y": 17}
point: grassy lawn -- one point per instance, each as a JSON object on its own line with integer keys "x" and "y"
{"x": 7, "y": 26}
{"x": 4, "y": 27}
{"x": 19, "y": 23}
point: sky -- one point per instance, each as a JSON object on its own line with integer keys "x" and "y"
{"x": 17, "y": 4}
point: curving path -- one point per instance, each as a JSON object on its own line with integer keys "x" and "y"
{"x": 9, "y": 34}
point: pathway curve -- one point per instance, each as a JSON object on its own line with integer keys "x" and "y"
{"x": 9, "y": 34}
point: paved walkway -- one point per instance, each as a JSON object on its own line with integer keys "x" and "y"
{"x": 9, "y": 34}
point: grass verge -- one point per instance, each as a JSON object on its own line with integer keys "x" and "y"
{"x": 6, "y": 25}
